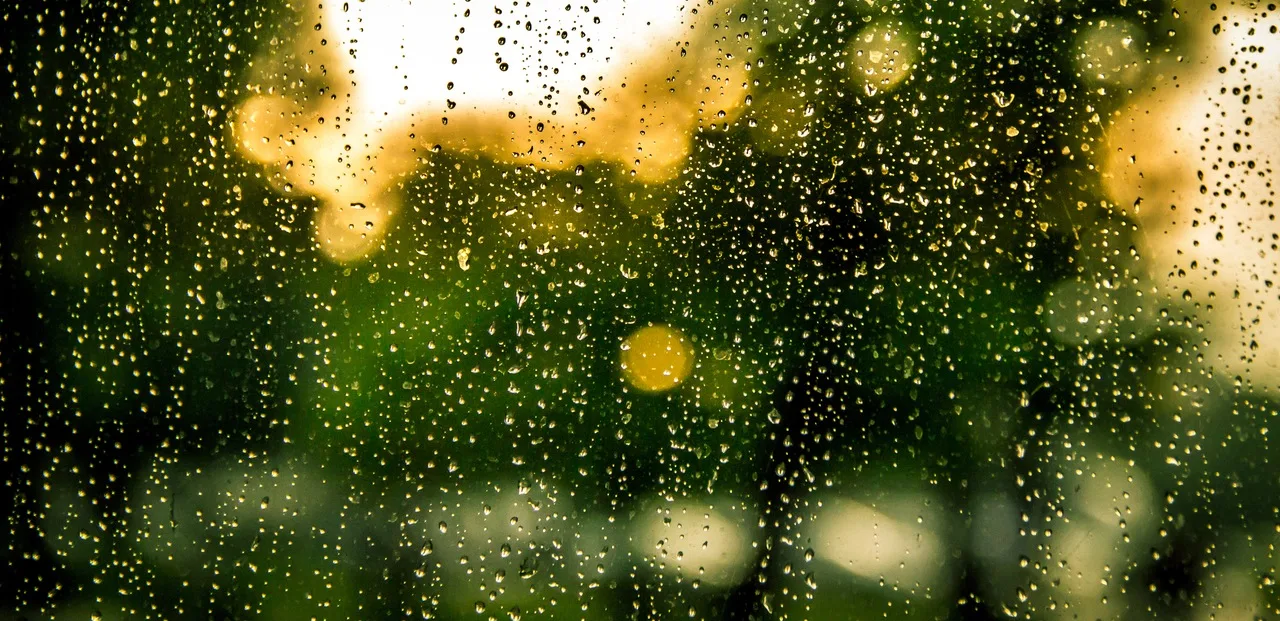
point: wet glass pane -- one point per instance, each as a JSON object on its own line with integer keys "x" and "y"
{"x": 639, "y": 309}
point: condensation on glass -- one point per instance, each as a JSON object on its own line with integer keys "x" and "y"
{"x": 745, "y": 309}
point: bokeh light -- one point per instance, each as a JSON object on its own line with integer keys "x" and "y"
{"x": 656, "y": 358}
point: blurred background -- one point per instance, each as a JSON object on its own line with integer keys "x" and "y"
{"x": 732, "y": 310}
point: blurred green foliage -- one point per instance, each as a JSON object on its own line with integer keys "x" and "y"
{"x": 205, "y": 418}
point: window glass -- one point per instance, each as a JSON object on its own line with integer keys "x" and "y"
{"x": 642, "y": 309}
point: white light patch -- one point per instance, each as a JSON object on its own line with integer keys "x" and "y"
{"x": 1201, "y": 191}
{"x": 872, "y": 545}
{"x": 705, "y": 540}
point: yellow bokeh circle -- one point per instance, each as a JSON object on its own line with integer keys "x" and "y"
{"x": 656, "y": 358}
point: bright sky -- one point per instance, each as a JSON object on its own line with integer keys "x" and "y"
{"x": 403, "y": 53}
